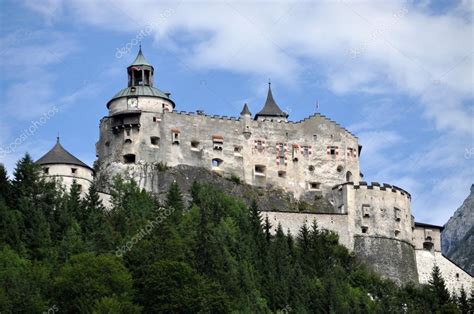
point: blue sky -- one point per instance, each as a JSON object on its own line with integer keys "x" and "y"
{"x": 398, "y": 74}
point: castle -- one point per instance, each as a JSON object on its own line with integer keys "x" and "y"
{"x": 312, "y": 158}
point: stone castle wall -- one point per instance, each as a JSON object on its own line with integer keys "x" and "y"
{"x": 307, "y": 156}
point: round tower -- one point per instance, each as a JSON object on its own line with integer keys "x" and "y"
{"x": 131, "y": 132}
{"x": 60, "y": 164}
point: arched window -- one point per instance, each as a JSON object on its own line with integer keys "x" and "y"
{"x": 349, "y": 176}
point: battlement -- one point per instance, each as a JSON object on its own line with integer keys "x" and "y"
{"x": 374, "y": 186}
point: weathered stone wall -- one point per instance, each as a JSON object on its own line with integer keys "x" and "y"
{"x": 149, "y": 134}
{"x": 294, "y": 221}
{"x": 454, "y": 276}
{"x": 391, "y": 258}
{"x": 423, "y": 236}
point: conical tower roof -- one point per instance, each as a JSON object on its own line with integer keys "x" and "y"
{"x": 140, "y": 59}
{"x": 59, "y": 155}
{"x": 245, "y": 110}
{"x": 271, "y": 109}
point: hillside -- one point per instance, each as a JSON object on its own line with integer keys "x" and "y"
{"x": 457, "y": 239}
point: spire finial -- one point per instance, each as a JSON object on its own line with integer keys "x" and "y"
{"x": 269, "y": 83}
{"x": 57, "y": 138}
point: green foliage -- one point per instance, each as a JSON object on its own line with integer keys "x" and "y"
{"x": 235, "y": 178}
{"x": 212, "y": 255}
{"x": 86, "y": 278}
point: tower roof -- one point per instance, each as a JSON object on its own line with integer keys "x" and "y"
{"x": 245, "y": 110}
{"x": 140, "y": 59}
{"x": 59, "y": 155}
{"x": 271, "y": 109}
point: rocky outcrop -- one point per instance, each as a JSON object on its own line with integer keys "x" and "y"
{"x": 457, "y": 239}
{"x": 157, "y": 178}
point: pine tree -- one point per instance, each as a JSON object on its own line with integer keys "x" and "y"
{"x": 267, "y": 227}
{"x": 437, "y": 287}
{"x": 463, "y": 302}
{"x": 5, "y": 186}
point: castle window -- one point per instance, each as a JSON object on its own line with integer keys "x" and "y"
{"x": 351, "y": 152}
{"x": 237, "y": 149}
{"x": 127, "y": 131}
{"x": 260, "y": 170}
{"x": 195, "y": 144}
{"x": 397, "y": 214}
{"x": 73, "y": 170}
{"x": 175, "y": 136}
{"x": 79, "y": 188}
{"x": 311, "y": 168}
{"x": 260, "y": 145}
{"x": 339, "y": 168}
{"x": 457, "y": 276}
{"x": 428, "y": 246}
{"x": 107, "y": 144}
{"x": 332, "y": 151}
{"x": 315, "y": 137}
{"x": 365, "y": 211}
{"x": 428, "y": 234}
{"x": 128, "y": 141}
{"x": 282, "y": 174}
{"x": 349, "y": 176}
{"x": 294, "y": 152}
{"x": 216, "y": 162}
{"x": 315, "y": 185}
{"x": 397, "y": 233}
{"x": 155, "y": 140}
{"x": 364, "y": 229}
{"x": 45, "y": 170}
{"x": 154, "y": 119}
{"x": 217, "y": 142}
{"x": 129, "y": 159}
{"x": 306, "y": 150}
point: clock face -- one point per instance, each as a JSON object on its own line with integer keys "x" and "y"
{"x": 133, "y": 103}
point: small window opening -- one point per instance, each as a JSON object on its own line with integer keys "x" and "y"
{"x": 195, "y": 144}
{"x": 79, "y": 187}
{"x": 349, "y": 176}
{"x": 175, "y": 135}
{"x": 237, "y": 149}
{"x": 457, "y": 276}
{"x": 217, "y": 144}
{"x": 127, "y": 131}
{"x": 154, "y": 119}
{"x": 397, "y": 214}
{"x": 73, "y": 170}
{"x": 107, "y": 143}
{"x": 315, "y": 185}
{"x": 311, "y": 168}
{"x": 129, "y": 159}
{"x": 365, "y": 211}
{"x": 365, "y": 229}
{"x": 154, "y": 140}
{"x": 332, "y": 150}
{"x": 340, "y": 168}
{"x": 260, "y": 169}
{"x": 216, "y": 162}
{"x": 397, "y": 232}
{"x": 282, "y": 174}
{"x": 305, "y": 151}
{"x": 45, "y": 170}
{"x": 128, "y": 141}
{"x": 315, "y": 137}
{"x": 428, "y": 246}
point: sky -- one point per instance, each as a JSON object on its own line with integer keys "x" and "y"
{"x": 397, "y": 74}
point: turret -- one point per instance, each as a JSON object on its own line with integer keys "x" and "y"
{"x": 271, "y": 111}
{"x": 60, "y": 164}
